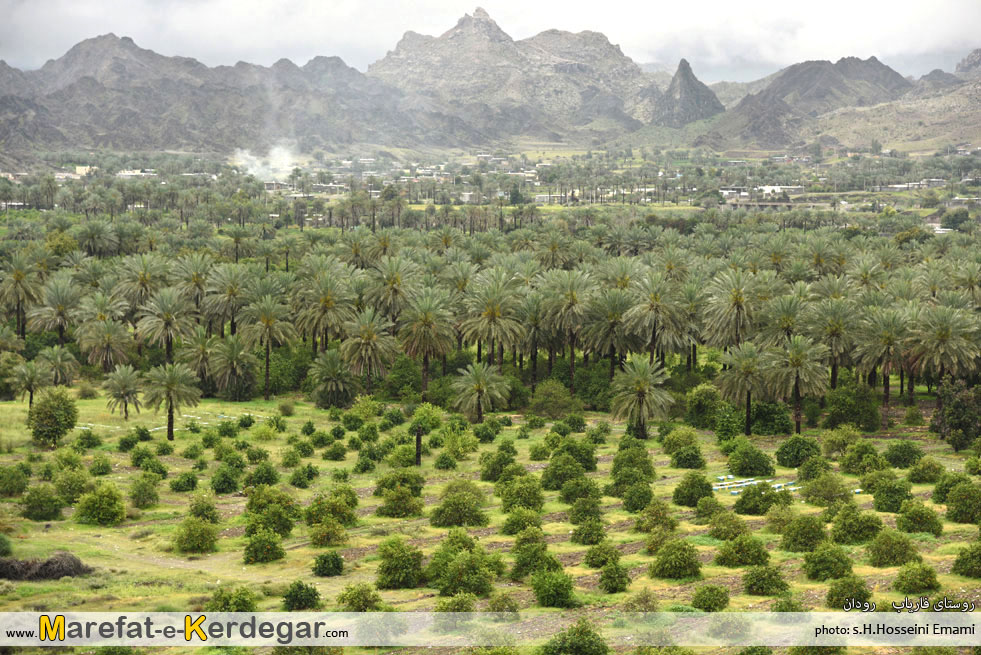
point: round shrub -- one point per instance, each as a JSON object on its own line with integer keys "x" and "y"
{"x": 13, "y": 481}
{"x": 744, "y": 550}
{"x": 72, "y": 483}
{"x": 914, "y": 516}
{"x": 614, "y": 578}
{"x": 968, "y": 561}
{"x": 196, "y": 536}
{"x": 778, "y": 517}
{"x": 680, "y": 437}
{"x": 601, "y": 554}
{"x": 701, "y": 405}
{"x": 102, "y": 506}
{"x": 560, "y": 470}
{"x": 748, "y": 460}
{"x": 226, "y": 599}
{"x": 676, "y": 560}
{"x": 656, "y": 514}
{"x": 725, "y": 525}
{"x": 964, "y": 503}
{"x": 870, "y": 481}
{"x": 203, "y": 507}
{"x": 553, "y": 589}
{"x": 892, "y": 548}
{"x": 588, "y": 533}
{"x": 853, "y": 526}
{"x": 764, "y": 581}
{"x": 693, "y": 487}
{"x": 458, "y": 509}
{"x": 903, "y": 454}
{"x": 850, "y": 587}
{"x": 710, "y": 598}
{"x": 360, "y": 597}
{"x": 520, "y": 518}
{"x": 757, "y": 499}
{"x": 41, "y": 502}
{"x": 143, "y": 491}
{"x": 299, "y": 595}
{"x": 706, "y": 508}
{"x": 926, "y": 470}
{"x": 225, "y": 480}
{"x": 945, "y": 483}
{"x": 579, "y": 488}
{"x": 861, "y": 457}
{"x": 803, "y": 534}
{"x": 890, "y": 496}
{"x": 796, "y": 450}
{"x": 580, "y": 639}
{"x": 263, "y": 546}
{"x": 585, "y": 509}
{"x": 101, "y": 465}
{"x": 524, "y": 491}
{"x": 333, "y": 505}
{"x": 826, "y": 490}
{"x": 827, "y": 562}
{"x": 186, "y": 481}
{"x": 657, "y": 538}
{"x": 688, "y": 457}
{"x": 813, "y": 467}
{"x": 915, "y": 578}
{"x": 52, "y": 416}
{"x": 329, "y": 532}
{"x": 401, "y": 565}
{"x": 637, "y": 496}
{"x": 400, "y": 503}
{"x": 445, "y": 462}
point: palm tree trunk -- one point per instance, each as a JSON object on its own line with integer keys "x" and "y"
{"x": 572, "y": 362}
{"x": 479, "y": 346}
{"x": 885, "y": 396}
{"x": 170, "y": 421}
{"x": 480, "y": 411}
{"x": 267, "y": 369}
{"x": 30, "y": 399}
{"x": 613, "y": 356}
{"x": 749, "y": 413}
{"x": 169, "y": 349}
{"x": 500, "y": 356}
{"x": 425, "y": 385}
{"x": 902, "y": 380}
{"x": 797, "y": 405}
{"x": 551, "y": 359}
{"x": 834, "y": 372}
{"x": 653, "y": 348}
{"x": 419, "y": 445}
{"x": 125, "y": 411}
{"x": 444, "y": 364}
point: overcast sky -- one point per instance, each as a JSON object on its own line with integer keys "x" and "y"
{"x": 736, "y": 40}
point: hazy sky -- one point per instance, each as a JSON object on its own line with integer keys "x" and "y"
{"x": 739, "y": 40}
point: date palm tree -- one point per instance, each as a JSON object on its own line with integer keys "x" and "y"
{"x": 226, "y": 294}
{"x": 492, "y": 312}
{"x": 638, "y": 396}
{"x": 369, "y": 347}
{"x": 567, "y": 296}
{"x": 606, "y": 329}
{"x": 232, "y": 366}
{"x": 61, "y": 362}
{"x": 833, "y": 322}
{"x": 191, "y": 277}
{"x": 427, "y": 329}
{"x": 123, "y": 388}
{"x": 879, "y": 343}
{"x": 393, "y": 284}
{"x": 531, "y": 314}
{"x": 60, "y": 298}
{"x": 797, "y": 369}
{"x": 166, "y": 317}
{"x": 656, "y": 312}
{"x": 106, "y": 343}
{"x": 196, "y": 349}
{"x": 20, "y": 287}
{"x": 479, "y": 388}
{"x": 729, "y": 311}
{"x": 173, "y": 386}
{"x": 946, "y": 341}
{"x": 266, "y": 324}
{"x": 332, "y": 380}
{"x": 326, "y": 305}
{"x": 743, "y": 377}
{"x": 27, "y": 378}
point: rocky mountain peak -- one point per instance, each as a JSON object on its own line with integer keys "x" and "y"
{"x": 480, "y": 25}
{"x": 686, "y": 100}
{"x": 971, "y": 63}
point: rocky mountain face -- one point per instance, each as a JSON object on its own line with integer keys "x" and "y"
{"x": 473, "y": 85}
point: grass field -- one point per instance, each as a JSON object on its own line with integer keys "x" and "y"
{"x": 137, "y": 568}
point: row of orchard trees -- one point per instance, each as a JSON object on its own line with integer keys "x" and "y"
{"x": 789, "y": 308}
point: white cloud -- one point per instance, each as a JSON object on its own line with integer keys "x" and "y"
{"x": 716, "y": 36}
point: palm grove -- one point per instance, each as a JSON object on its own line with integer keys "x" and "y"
{"x": 163, "y": 311}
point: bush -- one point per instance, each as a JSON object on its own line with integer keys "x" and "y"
{"x": 657, "y": 514}
{"x": 852, "y": 526}
{"x": 401, "y": 565}
{"x": 968, "y": 561}
{"x": 203, "y": 507}
{"x": 360, "y": 597}
{"x": 502, "y": 603}
{"x": 796, "y": 450}
{"x": 599, "y": 555}
{"x": 13, "y": 481}
{"x": 520, "y": 518}
{"x": 560, "y": 470}
{"x": 585, "y": 509}
{"x": 143, "y": 491}
{"x": 927, "y": 470}
{"x": 637, "y": 496}
{"x": 196, "y": 536}
{"x": 328, "y": 533}
{"x": 52, "y": 416}
{"x": 915, "y": 578}
{"x": 778, "y": 517}
{"x": 914, "y": 516}
{"x": 263, "y": 546}
{"x": 770, "y": 419}
{"x": 336, "y": 505}
{"x": 827, "y": 562}
{"x": 903, "y": 454}
{"x": 689, "y": 457}
{"x": 710, "y": 598}
{"x": 471, "y": 571}
{"x": 835, "y": 442}
{"x": 676, "y": 560}
{"x": 400, "y": 503}
{"x": 301, "y": 596}
{"x": 678, "y": 438}
{"x": 892, "y": 548}
{"x": 614, "y": 578}
{"x": 803, "y": 534}
{"x": 101, "y": 465}
{"x": 693, "y": 487}
{"x": 725, "y": 525}
{"x": 273, "y": 517}
{"x": 701, "y": 405}
{"x": 853, "y": 404}
{"x": 964, "y": 503}
{"x": 861, "y": 458}
{"x": 757, "y": 499}
{"x": 458, "y": 509}
{"x": 826, "y": 490}
{"x": 947, "y": 481}
{"x": 553, "y": 589}
{"x": 870, "y": 482}
{"x": 524, "y": 491}
{"x": 225, "y": 480}
{"x": 890, "y": 496}
{"x": 748, "y": 460}
{"x": 71, "y": 483}
{"x": 850, "y": 587}
{"x": 102, "y": 506}
{"x": 579, "y": 488}
{"x": 743, "y": 550}
{"x": 552, "y": 399}
{"x": 580, "y": 639}
{"x": 226, "y": 599}
{"x": 706, "y": 508}
{"x": 588, "y": 532}
{"x": 764, "y": 581}
{"x": 41, "y": 502}
{"x": 576, "y": 422}
{"x": 534, "y": 422}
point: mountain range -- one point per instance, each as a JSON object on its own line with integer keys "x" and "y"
{"x": 472, "y": 86}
